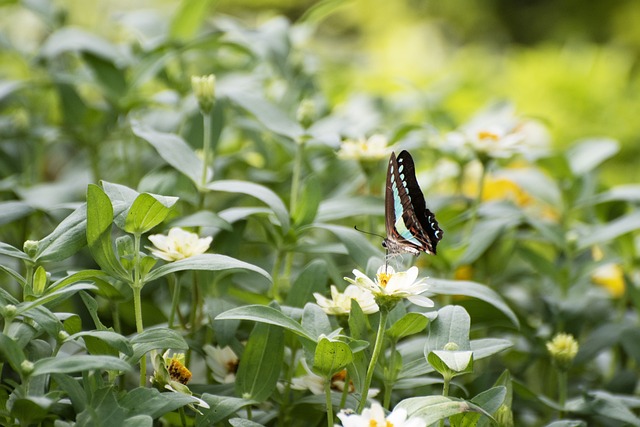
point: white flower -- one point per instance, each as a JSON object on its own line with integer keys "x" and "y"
{"x": 375, "y": 416}
{"x": 340, "y": 303}
{"x": 178, "y": 244}
{"x": 499, "y": 133}
{"x": 373, "y": 148}
{"x": 392, "y": 285}
{"x": 223, "y": 363}
{"x": 315, "y": 383}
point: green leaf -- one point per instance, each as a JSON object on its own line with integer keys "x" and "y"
{"x": 208, "y": 262}
{"x": 66, "y": 239}
{"x": 359, "y": 247}
{"x": 139, "y": 421}
{"x": 567, "y": 423}
{"x": 99, "y": 221}
{"x": 188, "y": 18}
{"x": 70, "y": 39}
{"x": 474, "y": 290}
{"x": 589, "y": 154}
{"x": 434, "y": 408}
{"x": 310, "y": 197}
{"x": 268, "y": 114}
{"x": 78, "y": 363}
{"x": 349, "y": 207}
{"x": 315, "y": 321}
{"x": 221, "y": 408}
{"x": 202, "y": 219}
{"x": 11, "y": 352}
{"x": 146, "y": 212}
{"x": 102, "y": 410}
{"x": 486, "y": 347}
{"x": 331, "y": 356}
{"x": 80, "y": 276}
{"x": 261, "y": 362}
{"x": 39, "y": 280}
{"x": 10, "y": 251}
{"x": 54, "y": 296}
{"x": 451, "y": 363}
{"x": 110, "y": 78}
{"x": 242, "y": 422}
{"x": 30, "y": 410}
{"x": 359, "y": 329}
{"x": 175, "y": 151}
{"x": 73, "y": 390}
{"x": 155, "y": 339}
{"x": 14, "y": 209}
{"x": 149, "y": 401}
{"x": 484, "y": 233}
{"x": 114, "y": 339}
{"x": 610, "y": 231}
{"x": 258, "y": 191}
{"x": 264, "y": 314}
{"x": 409, "y": 324}
{"x": 451, "y": 326}
{"x": 489, "y": 400}
{"x": 313, "y": 278}
{"x": 610, "y": 406}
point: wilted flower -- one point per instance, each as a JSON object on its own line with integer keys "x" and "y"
{"x": 563, "y": 349}
{"x": 178, "y": 244}
{"x": 611, "y": 277}
{"x": 204, "y": 88}
{"x": 340, "y": 303}
{"x": 371, "y": 149}
{"x": 223, "y": 363}
{"x": 171, "y": 374}
{"x": 389, "y": 286}
{"x": 375, "y": 416}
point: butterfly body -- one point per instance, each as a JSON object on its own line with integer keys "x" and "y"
{"x": 411, "y": 227}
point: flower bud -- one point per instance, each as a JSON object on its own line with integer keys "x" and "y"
{"x": 62, "y": 335}
{"x": 26, "y": 367}
{"x": 306, "y": 113}
{"x": 451, "y": 346}
{"x": 504, "y": 416}
{"x": 30, "y": 247}
{"x": 563, "y": 349}
{"x": 9, "y": 311}
{"x": 204, "y": 88}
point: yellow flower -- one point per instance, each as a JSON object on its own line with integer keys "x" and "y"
{"x": 178, "y": 244}
{"x": 503, "y": 188}
{"x": 611, "y": 277}
{"x": 371, "y": 149}
{"x": 563, "y": 349}
{"x": 169, "y": 373}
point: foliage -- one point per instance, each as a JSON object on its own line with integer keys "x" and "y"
{"x": 106, "y": 148}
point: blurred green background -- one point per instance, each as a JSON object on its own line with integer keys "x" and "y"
{"x": 572, "y": 64}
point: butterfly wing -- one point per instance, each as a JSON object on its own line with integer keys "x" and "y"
{"x": 410, "y": 226}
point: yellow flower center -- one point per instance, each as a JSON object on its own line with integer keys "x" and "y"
{"x": 485, "y": 134}
{"x": 374, "y": 423}
{"x": 383, "y": 279}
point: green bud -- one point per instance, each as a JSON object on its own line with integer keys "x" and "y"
{"x": 204, "y": 88}
{"x": 62, "y": 335}
{"x": 451, "y": 346}
{"x": 306, "y": 113}
{"x": 30, "y": 247}
{"x": 9, "y": 311}
{"x": 26, "y": 367}
{"x": 40, "y": 279}
{"x": 504, "y": 416}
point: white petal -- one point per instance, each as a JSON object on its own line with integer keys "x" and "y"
{"x": 421, "y": 301}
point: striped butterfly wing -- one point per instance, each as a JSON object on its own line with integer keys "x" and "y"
{"x": 411, "y": 227}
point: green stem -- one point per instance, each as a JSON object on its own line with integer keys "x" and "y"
{"x": 295, "y": 179}
{"x": 175, "y": 287}
{"x": 377, "y": 348}
{"x": 562, "y": 390}
{"x": 345, "y": 390}
{"x": 137, "y": 304}
{"x": 327, "y": 394}
{"x": 275, "y": 275}
{"x": 193, "y": 318}
{"x": 183, "y": 417}
{"x": 445, "y": 392}
{"x": 116, "y": 317}
{"x": 206, "y": 143}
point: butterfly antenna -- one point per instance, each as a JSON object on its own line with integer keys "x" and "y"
{"x": 368, "y": 232}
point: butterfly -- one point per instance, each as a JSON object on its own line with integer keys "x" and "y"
{"x": 411, "y": 227}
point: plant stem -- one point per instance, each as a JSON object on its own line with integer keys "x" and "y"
{"x": 377, "y": 348}
{"x": 295, "y": 179}
{"x": 175, "y": 287}
{"x": 562, "y": 390}
{"x": 345, "y": 390}
{"x": 137, "y": 304}
{"x": 206, "y": 142}
{"x": 327, "y": 394}
{"x": 275, "y": 275}
{"x": 445, "y": 392}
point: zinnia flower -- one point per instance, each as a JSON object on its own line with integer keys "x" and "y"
{"x": 223, "y": 363}
{"x": 340, "y": 303}
{"x": 315, "y": 383}
{"x": 375, "y": 417}
{"x": 389, "y": 286}
{"x": 171, "y": 374}
{"x": 178, "y": 244}
{"x": 371, "y": 149}
{"x": 563, "y": 349}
